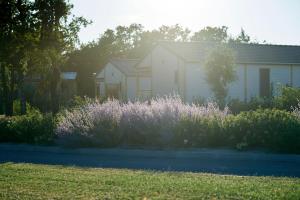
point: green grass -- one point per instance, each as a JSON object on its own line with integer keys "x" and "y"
{"x": 28, "y": 181}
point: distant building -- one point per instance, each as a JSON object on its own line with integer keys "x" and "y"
{"x": 178, "y": 67}
{"x": 118, "y": 79}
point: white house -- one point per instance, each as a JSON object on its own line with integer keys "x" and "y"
{"x": 118, "y": 79}
{"x": 177, "y": 67}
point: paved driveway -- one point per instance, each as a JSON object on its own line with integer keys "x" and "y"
{"x": 200, "y": 160}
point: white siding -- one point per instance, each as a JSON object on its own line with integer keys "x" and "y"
{"x": 131, "y": 88}
{"x": 296, "y": 76}
{"x": 146, "y": 62}
{"x": 145, "y": 91}
{"x": 236, "y": 90}
{"x": 112, "y": 74}
{"x": 279, "y": 76}
{"x": 102, "y": 89}
{"x": 252, "y": 81}
{"x": 196, "y": 85}
{"x": 165, "y": 65}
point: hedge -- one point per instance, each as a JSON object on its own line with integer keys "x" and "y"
{"x": 32, "y": 128}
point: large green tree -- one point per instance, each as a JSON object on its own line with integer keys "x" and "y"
{"x": 58, "y": 34}
{"x": 35, "y": 37}
{"x": 16, "y": 38}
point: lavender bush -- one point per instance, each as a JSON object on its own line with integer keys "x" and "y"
{"x": 112, "y": 122}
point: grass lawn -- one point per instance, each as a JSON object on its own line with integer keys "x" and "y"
{"x": 29, "y": 181}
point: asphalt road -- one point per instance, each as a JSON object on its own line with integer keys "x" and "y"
{"x": 196, "y": 160}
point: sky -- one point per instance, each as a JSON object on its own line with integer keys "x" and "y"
{"x": 276, "y": 21}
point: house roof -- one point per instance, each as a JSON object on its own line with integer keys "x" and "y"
{"x": 68, "y": 75}
{"x": 126, "y": 66}
{"x": 244, "y": 53}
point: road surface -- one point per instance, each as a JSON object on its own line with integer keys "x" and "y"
{"x": 194, "y": 160}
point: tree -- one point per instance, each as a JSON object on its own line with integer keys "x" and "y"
{"x": 174, "y": 33}
{"x": 241, "y": 38}
{"x": 220, "y": 72}
{"x": 16, "y": 37}
{"x": 211, "y": 34}
{"x": 35, "y": 36}
{"x": 57, "y": 36}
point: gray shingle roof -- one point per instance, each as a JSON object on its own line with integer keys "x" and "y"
{"x": 244, "y": 53}
{"x": 127, "y": 66}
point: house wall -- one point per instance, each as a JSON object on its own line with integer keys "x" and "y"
{"x": 112, "y": 75}
{"x": 247, "y": 84}
{"x": 196, "y": 85}
{"x": 296, "y": 75}
{"x": 280, "y": 75}
{"x": 101, "y": 91}
{"x": 165, "y": 66}
{"x": 131, "y": 88}
{"x": 190, "y": 84}
{"x": 144, "y": 87}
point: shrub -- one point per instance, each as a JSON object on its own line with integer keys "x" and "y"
{"x": 93, "y": 124}
{"x": 133, "y": 123}
{"x": 201, "y": 132}
{"x": 288, "y": 99}
{"x": 170, "y": 122}
{"x": 34, "y": 128}
{"x": 236, "y": 106}
{"x": 267, "y": 128}
{"x": 17, "y": 108}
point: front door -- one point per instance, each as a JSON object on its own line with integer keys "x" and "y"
{"x": 264, "y": 85}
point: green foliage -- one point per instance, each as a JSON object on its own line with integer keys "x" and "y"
{"x": 264, "y": 128}
{"x": 236, "y": 106}
{"x": 17, "y": 108}
{"x": 203, "y": 132}
{"x": 211, "y": 34}
{"x": 77, "y": 102}
{"x": 241, "y": 38}
{"x": 271, "y": 129}
{"x": 33, "y": 128}
{"x": 220, "y": 71}
{"x": 288, "y": 98}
